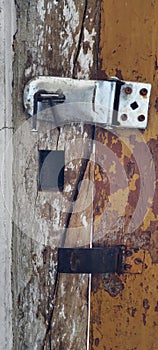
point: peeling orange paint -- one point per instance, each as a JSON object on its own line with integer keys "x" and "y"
{"x": 130, "y": 320}
{"x": 124, "y": 309}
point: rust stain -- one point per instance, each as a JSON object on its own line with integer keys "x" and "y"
{"x": 112, "y": 284}
{"x": 134, "y": 261}
{"x": 156, "y": 307}
{"x": 146, "y": 304}
{"x": 119, "y": 74}
{"x": 144, "y": 319}
{"x": 132, "y": 311}
{"x": 156, "y": 104}
{"x": 130, "y": 169}
{"x": 153, "y": 146}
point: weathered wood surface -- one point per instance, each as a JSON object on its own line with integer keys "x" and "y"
{"x": 50, "y": 311}
{"x": 124, "y": 309}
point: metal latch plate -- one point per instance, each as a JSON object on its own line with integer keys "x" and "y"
{"x": 95, "y": 260}
{"x": 111, "y": 103}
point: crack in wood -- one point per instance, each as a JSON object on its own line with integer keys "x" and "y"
{"x": 156, "y": 63}
{"x": 75, "y": 196}
{"x": 50, "y": 317}
{"x": 80, "y": 178}
{"x": 93, "y": 97}
{"x": 42, "y": 299}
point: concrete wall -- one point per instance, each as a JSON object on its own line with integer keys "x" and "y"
{"x": 7, "y": 29}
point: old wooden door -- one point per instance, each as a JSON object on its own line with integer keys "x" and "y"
{"x": 124, "y": 310}
{"x": 57, "y": 38}
{"x": 99, "y": 206}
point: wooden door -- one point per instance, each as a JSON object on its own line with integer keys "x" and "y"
{"x": 124, "y": 309}
{"x": 113, "y": 172}
{"x": 51, "y": 311}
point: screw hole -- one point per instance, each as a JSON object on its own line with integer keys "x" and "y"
{"x": 128, "y": 90}
{"x": 124, "y": 117}
{"x": 134, "y": 105}
{"x": 143, "y": 92}
{"x": 141, "y": 118}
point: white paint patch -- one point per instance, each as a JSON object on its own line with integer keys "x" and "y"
{"x": 67, "y": 36}
{"x": 41, "y": 38}
{"x": 34, "y": 68}
{"x": 62, "y": 290}
{"x": 71, "y": 15}
{"x": 73, "y": 331}
{"x": 68, "y": 188}
{"x": 85, "y": 135}
{"x": 62, "y": 312}
{"x": 49, "y": 7}
{"x": 56, "y": 219}
{"x": 71, "y": 166}
{"x": 84, "y": 220}
{"x": 28, "y": 71}
{"x": 49, "y": 47}
{"x": 41, "y": 10}
{"x": 86, "y": 60}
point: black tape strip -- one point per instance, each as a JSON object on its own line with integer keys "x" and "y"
{"x": 94, "y": 260}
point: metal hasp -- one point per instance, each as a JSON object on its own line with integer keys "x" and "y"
{"x": 111, "y": 103}
{"x": 91, "y": 260}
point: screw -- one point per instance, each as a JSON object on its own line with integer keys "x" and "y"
{"x": 128, "y": 90}
{"x": 143, "y": 92}
{"x": 124, "y": 117}
{"x": 141, "y": 118}
{"x": 128, "y": 253}
{"x": 127, "y": 267}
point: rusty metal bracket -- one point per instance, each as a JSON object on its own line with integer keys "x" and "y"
{"x": 91, "y": 260}
{"x": 111, "y": 103}
{"x": 117, "y": 259}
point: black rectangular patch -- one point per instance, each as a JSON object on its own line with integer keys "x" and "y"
{"x": 95, "y": 260}
{"x": 51, "y": 170}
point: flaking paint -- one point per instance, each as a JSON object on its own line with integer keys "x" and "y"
{"x": 129, "y": 50}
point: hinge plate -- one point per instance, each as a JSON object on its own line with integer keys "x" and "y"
{"x": 111, "y": 103}
{"x": 91, "y": 260}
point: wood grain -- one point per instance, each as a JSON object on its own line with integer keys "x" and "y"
{"x": 61, "y": 39}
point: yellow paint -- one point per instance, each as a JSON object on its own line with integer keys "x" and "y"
{"x": 98, "y": 177}
{"x": 149, "y": 217}
{"x": 130, "y": 320}
{"x": 129, "y": 49}
{"x": 118, "y": 201}
{"x": 129, "y": 32}
{"x": 112, "y": 169}
{"x": 132, "y": 183}
{"x": 126, "y": 151}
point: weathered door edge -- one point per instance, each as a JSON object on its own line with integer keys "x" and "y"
{"x": 7, "y": 30}
{"x": 124, "y": 315}
{"x": 38, "y": 317}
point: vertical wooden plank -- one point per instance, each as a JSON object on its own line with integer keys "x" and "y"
{"x": 124, "y": 309}
{"x": 71, "y": 304}
{"x": 53, "y": 38}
